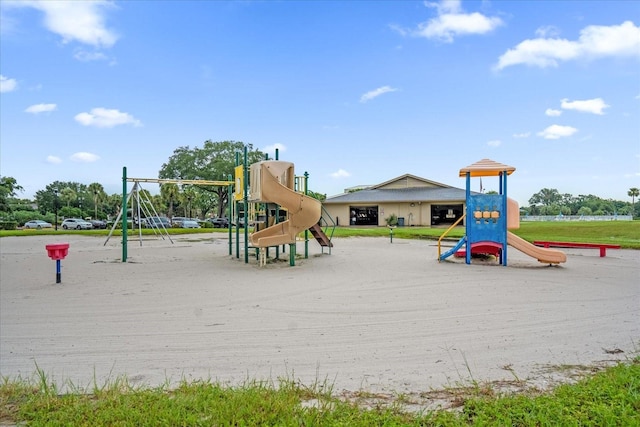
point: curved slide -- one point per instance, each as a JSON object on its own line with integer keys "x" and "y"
{"x": 304, "y": 212}
{"x": 547, "y": 256}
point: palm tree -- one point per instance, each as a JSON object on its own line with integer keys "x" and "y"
{"x": 633, "y": 193}
{"x": 98, "y": 195}
{"x": 68, "y": 195}
{"x": 189, "y": 196}
{"x": 169, "y": 192}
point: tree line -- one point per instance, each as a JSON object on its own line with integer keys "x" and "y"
{"x": 215, "y": 161}
{"x": 549, "y": 201}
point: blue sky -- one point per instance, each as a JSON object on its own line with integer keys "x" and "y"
{"x": 353, "y": 93}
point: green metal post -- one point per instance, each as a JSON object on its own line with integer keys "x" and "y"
{"x": 125, "y": 222}
{"x": 292, "y": 254}
{"x": 306, "y": 232}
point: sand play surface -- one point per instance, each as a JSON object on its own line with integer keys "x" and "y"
{"x": 373, "y": 315}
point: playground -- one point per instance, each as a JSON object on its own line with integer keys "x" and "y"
{"x": 374, "y": 315}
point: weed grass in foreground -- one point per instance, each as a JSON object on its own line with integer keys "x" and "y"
{"x": 608, "y": 398}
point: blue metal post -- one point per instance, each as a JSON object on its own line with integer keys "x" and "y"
{"x": 58, "y": 272}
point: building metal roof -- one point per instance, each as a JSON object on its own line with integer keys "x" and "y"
{"x": 415, "y": 194}
{"x": 410, "y": 181}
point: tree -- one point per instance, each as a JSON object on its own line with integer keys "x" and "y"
{"x": 68, "y": 195}
{"x": 97, "y": 191}
{"x": 8, "y": 188}
{"x": 633, "y": 193}
{"x": 169, "y": 193}
{"x": 318, "y": 196}
{"x": 46, "y": 199}
{"x": 215, "y": 161}
{"x": 189, "y": 196}
{"x": 113, "y": 204}
{"x": 546, "y": 197}
{"x": 585, "y": 210}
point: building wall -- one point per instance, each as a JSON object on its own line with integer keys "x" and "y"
{"x": 417, "y": 215}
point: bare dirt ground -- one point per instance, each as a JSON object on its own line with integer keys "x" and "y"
{"x": 373, "y": 317}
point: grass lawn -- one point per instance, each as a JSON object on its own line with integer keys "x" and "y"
{"x": 623, "y": 233}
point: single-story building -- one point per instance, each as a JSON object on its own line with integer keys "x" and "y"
{"x": 415, "y": 201}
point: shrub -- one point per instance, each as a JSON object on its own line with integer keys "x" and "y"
{"x": 8, "y": 224}
{"x": 391, "y": 220}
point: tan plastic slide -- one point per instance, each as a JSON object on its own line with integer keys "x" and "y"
{"x": 304, "y": 212}
{"x": 547, "y": 256}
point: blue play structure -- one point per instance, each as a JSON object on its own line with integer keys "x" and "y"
{"x": 485, "y": 215}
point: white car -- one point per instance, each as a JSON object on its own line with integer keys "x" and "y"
{"x": 76, "y": 224}
{"x": 38, "y": 224}
{"x": 189, "y": 223}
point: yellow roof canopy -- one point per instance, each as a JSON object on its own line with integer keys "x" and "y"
{"x": 486, "y": 167}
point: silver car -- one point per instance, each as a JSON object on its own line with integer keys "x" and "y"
{"x": 38, "y": 224}
{"x": 189, "y": 223}
{"x": 76, "y": 224}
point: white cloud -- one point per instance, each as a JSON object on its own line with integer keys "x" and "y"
{"x": 54, "y": 160}
{"x": 340, "y": 173}
{"x": 84, "y": 56}
{"x": 271, "y": 149}
{"x": 452, "y": 22}
{"x": 594, "y": 42}
{"x": 445, "y": 6}
{"x": 594, "y": 106}
{"x": 547, "y": 31}
{"x": 104, "y": 118}
{"x": 84, "y": 157}
{"x": 41, "y": 108}
{"x": 557, "y": 132}
{"x": 7, "y": 84}
{"x": 552, "y": 113}
{"x": 376, "y": 92}
{"x": 494, "y": 143}
{"x": 522, "y": 135}
{"x": 81, "y": 21}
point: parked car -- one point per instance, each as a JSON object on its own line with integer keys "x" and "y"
{"x": 76, "y": 224}
{"x": 139, "y": 222}
{"x": 241, "y": 222}
{"x": 221, "y": 222}
{"x": 37, "y": 224}
{"x": 98, "y": 223}
{"x": 176, "y": 221}
{"x": 189, "y": 223}
{"x": 158, "y": 222}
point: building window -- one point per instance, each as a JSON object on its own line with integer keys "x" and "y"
{"x": 445, "y": 214}
{"x": 363, "y": 215}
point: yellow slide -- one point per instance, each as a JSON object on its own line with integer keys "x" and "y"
{"x": 547, "y": 256}
{"x": 304, "y": 211}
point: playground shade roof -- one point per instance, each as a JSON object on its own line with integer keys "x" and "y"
{"x": 486, "y": 167}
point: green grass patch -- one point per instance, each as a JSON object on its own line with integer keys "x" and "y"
{"x": 609, "y": 397}
{"x": 623, "y": 233}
